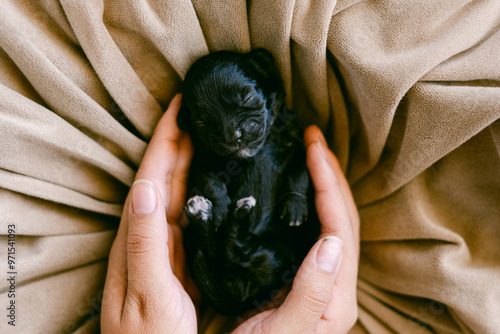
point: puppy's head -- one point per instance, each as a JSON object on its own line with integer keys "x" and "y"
{"x": 231, "y": 100}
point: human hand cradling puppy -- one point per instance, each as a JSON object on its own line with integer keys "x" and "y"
{"x": 147, "y": 284}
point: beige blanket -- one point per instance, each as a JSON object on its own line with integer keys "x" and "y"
{"x": 408, "y": 93}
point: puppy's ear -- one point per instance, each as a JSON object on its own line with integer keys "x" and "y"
{"x": 262, "y": 57}
{"x": 263, "y": 60}
{"x": 183, "y": 118}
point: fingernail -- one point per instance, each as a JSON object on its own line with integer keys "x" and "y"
{"x": 321, "y": 149}
{"x": 330, "y": 254}
{"x": 143, "y": 197}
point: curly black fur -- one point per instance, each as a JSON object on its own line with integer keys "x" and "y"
{"x": 250, "y": 210}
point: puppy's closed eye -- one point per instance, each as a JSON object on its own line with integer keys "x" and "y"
{"x": 247, "y": 98}
{"x": 252, "y": 101}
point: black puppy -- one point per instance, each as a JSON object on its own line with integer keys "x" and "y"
{"x": 250, "y": 209}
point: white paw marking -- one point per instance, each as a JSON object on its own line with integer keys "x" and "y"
{"x": 200, "y": 207}
{"x": 250, "y": 201}
{"x": 296, "y": 223}
{"x": 246, "y": 153}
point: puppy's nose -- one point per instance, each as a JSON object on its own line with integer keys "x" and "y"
{"x": 234, "y": 138}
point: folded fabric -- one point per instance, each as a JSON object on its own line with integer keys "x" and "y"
{"x": 407, "y": 92}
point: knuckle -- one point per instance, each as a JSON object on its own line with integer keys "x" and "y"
{"x": 317, "y": 299}
{"x": 139, "y": 243}
{"x": 141, "y": 302}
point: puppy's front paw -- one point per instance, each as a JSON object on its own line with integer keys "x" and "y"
{"x": 200, "y": 208}
{"x": 244, "y": 206}
{"x": 295, "y": 210}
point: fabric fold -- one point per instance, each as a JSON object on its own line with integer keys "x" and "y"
{"x": 407, "y": 93}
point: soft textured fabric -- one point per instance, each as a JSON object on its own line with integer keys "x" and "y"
{"x": 408, "y": 93}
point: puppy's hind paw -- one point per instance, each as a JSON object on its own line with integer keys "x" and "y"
{"x": 244, "y": 206}
{"x": 199, "y": 207}
{"x": 295, "y": 223}
{"x": 295, "y": 211}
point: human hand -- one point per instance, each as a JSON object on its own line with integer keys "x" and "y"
{"x": 146, "y": 283}
{"x": 323, "y": 295}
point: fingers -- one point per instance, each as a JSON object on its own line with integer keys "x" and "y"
{"x": 154, "y": 300}
{"x": 338, "y": 216}
{"x": 179, "y": 179}
{"x": 330, "y": 204}
{"x": 160, "y": 159}
{"x": 312, "y": 290}
{"x": 115, "y": 286}
{"x": 140, "y": 251}
{"x": 334, "y": 198}
{"x": 148, "y": 263}
{"x": 139, "y": 259}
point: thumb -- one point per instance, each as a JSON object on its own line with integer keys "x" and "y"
{"x": 312, "y": 288}
{"x": 147, "y": 247}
